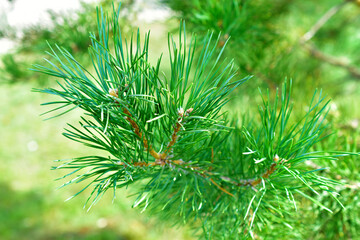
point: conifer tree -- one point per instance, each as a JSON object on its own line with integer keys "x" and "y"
{"x": 170, "y": 136}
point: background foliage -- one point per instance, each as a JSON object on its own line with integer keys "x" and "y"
{"x": 266, "y": 38}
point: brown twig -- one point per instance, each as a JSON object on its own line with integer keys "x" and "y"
{"x": 212, "y": 159}
{"x": 160, "y": 157}
{"x": 140, "y": 135}
{"x": 174, "y": 135}
{"x": 207, "y": 174}
{"x": 221, "y": 188}
{"x": 321, "y": 22}
{"x": 177, "y": 128}
{"x": 266, "y": 175}
{"x": 354, "y": 71}
{"x": 253, "y": 182}
{"x": 152, "y": 164}
{"x": 114, "y": 93}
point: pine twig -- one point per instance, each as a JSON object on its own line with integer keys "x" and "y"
{"x": 114, "y": 93}
{"x": 354, "y": 71}
{"x": 256, "y": 181}
{"x": 242, "y": 183}
{"x": 160, "y": 157}
{"x": 177, "y": 127}
{"x": 321, "y": 22}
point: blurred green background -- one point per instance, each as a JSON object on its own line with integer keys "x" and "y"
{"x": 264, "y": 39}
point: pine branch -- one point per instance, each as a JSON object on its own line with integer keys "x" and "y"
{"x": 207, "y": 167}
{"x": 161, "y": 158}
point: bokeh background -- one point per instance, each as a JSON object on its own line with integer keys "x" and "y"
{"x": 268, "y": 39}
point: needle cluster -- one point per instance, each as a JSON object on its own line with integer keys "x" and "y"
{"x": 170, "y": 136}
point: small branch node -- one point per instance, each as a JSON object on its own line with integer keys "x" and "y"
{"x": 114, "y": 92}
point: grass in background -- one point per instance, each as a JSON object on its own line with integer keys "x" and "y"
{"x": 29, "y": 203}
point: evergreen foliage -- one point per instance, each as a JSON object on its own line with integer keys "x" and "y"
{"x": 190, "y": 160}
